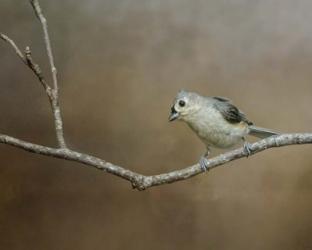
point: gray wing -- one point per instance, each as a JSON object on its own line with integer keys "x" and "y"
{"x": 229, "y": 111}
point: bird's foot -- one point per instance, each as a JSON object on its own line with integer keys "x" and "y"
{"x": 204, "y": 163}
{"x": 247, "y": 149}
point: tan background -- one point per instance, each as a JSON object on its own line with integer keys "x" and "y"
{"x": 120, "y": 65}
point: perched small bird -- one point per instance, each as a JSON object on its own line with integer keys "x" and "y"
{"x": 216, "y": 121}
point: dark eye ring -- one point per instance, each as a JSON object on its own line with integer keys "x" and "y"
{"x": 181, "y": 103}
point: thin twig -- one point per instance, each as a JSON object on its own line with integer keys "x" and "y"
{"x": 142, "y": 182}
{"x": 14, "y": 46}
{"x": 27, "y": 60}
{"x": 43, "y": 21}
{"x": 51, "y": 93}
{"x": 36, "y": 69}
{"x": 58, "y": 122}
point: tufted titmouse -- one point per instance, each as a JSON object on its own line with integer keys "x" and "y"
{"x": 216, "y": 121}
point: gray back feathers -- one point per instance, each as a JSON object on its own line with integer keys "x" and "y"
{"x": 229, "y": 112}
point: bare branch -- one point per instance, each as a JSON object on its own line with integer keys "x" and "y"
{"x": 58, "y": 122}
{"x": 43, "y": 21}
{"x": 27, "y": 60}
{"x": 36, "y": 69}
{"x": 142, "y": 182}
{"x": 52, "y": 94}
{"x": 14, "y": 46}
{"x": 67, "y": 154}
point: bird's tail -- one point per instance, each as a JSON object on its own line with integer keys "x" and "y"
{"x": 261, "y": 132}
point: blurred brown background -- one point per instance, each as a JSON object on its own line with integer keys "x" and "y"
{"x": 120, "y": 64}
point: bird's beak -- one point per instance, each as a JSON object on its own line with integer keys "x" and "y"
{"x": 173, "y": 115}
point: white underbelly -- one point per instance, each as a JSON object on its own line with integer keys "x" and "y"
{"x": 222, "y": 139}
{"x": 215, "y": 131}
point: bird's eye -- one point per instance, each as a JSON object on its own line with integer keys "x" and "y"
{"x": 181, "y": 103}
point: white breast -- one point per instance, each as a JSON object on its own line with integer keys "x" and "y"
{"x": 214, "y": 130}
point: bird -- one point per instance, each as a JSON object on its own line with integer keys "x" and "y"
{"x": 216, "y": 121}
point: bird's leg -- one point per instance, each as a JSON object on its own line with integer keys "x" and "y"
{"x": 203, "y": 161}
{"x": 246, "y": 146}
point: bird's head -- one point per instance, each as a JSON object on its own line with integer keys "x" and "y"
{"x": 184, "y": 105}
